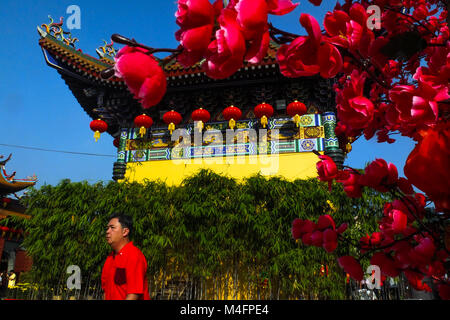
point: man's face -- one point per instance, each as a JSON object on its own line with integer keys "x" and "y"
{"x": 114, "y": 232}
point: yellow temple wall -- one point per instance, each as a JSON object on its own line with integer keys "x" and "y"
{"x": 291, "y": 166}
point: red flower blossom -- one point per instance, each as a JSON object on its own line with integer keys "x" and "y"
{"x": 252, "y": 20}
{"x": 281, "y": 7}
{"x": 142, "y": 75}
{"x": 415, "y": 279}
{"x": 354, "y": 110}
{"x": 400, "y": 220}
{"x": 352, "y": 267}
{"x": 425, "y": 249}
{"x": 301, "y": 227}
{"x": 316, "y": 2}
{"x": 325, "y": 221}
{"x": 343, "y": 31}
{"x": 296, "y": 225}
{"x": 306, "y": 238}
{"x": 418, "y": 105}
{"x": 257, "y": 48}
{"x": 379, "y": 175}
{"x": 252, "y": 16}
{"x": 386, "y": 264}
{"x": 427, "y": 166}
{"x": 327, "y": 170}
{"x": 317, "y": 238}
{"x": 307, "y": 56}
{"x": 350, "y": 182}
{"x": 225, "y": 55}
{"x": 196, "y": 19}
{"x": 342, "y": 228}
{"x": 330, "y": 242}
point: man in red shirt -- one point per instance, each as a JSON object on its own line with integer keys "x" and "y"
{"x": 124, "y": 273}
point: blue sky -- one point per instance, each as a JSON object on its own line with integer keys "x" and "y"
{"x": 38, "y": 110}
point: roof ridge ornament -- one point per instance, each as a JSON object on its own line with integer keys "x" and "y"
{"x": 107, "y": 51}
{"x": 55, "y": 30}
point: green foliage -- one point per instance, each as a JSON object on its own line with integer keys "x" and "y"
{"x": 210, "y": 226}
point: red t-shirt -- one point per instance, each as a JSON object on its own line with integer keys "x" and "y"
{"x": 125, "y": 273}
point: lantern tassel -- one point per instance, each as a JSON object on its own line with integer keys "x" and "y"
{"x": 142, "y": 131}
{"x": 200, "y": 125}
{"x": 5, "y": 204}
{"x": 171, "y": 127}
{"x": 297, "y": 120}
{"x": 348, "y": 147}
{"x": 264, "y": 121}
{"x": 232, "y": 123}
{"x": 96, "y": 135}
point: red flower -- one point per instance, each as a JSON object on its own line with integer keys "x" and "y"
{"x": 196, "y": 19}
{"x": 400, "y": 220}
{"x": 354, "y": 110}
{"x": 375, "y": 238}
{"x": 350, "y": 182}
{"x": 379, "y": 175}
{"x": 330, "y": 242}
{"x": 325, "y": 221}
{"x": 427, "y": 166}
{"x": 306, "y": 238}
{"x": 418, "y": 105}
{"x": 308, "y": 226}
{"x": 342, "y": 228}
{"x": 307, "y": 56}
{"x": 252, "y": 16}
{"x": 252, "y": 19}
{"x": 301, "y": 227}
{"x": 280, "y": 7}
{"x": 257, "y": 48}
{"x": 387, "y": 266}
{"x": 317, "y": 238}
{"x": 327, "y": 169}
{"x": 194, "y": 13}
{"x": 316, "y": 2}
{"x": 296, "y": 225}
{"x": 415, "y": 279}
{"x": 357, "y": 113}
{"x": 225, "y": 55}
{"x": 142, "y": 75}
{"x": 343, "y": 31}
{"x": 425, "y": 249}
{"x": 352, "y": 267}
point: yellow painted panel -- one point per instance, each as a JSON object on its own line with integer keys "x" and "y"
{"x": 290, "y": 166}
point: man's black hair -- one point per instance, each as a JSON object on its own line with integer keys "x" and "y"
{"x": 125, "y": 221}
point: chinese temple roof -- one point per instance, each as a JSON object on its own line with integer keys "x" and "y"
{"x": 10, "y": 185}
{"x": 187, "y": 88}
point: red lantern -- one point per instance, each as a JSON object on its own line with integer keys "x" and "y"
{"x": 201, "y": 115}
{"x": 116, "y": 142}
{"x": 296, "y": 109}
{"x": 232, "y": 114}
{"x": 98, "y": 126}
{"x": 172, "y": 118}
{"x": 263, "y": 111}
{"x": 143, "y": 122}
{"x": 324, "y": 270}
{"x": 6, "y": 201}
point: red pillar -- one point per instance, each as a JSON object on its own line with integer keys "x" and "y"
{"x": 2, "y": 245}
{"x": 23, "y": 261}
